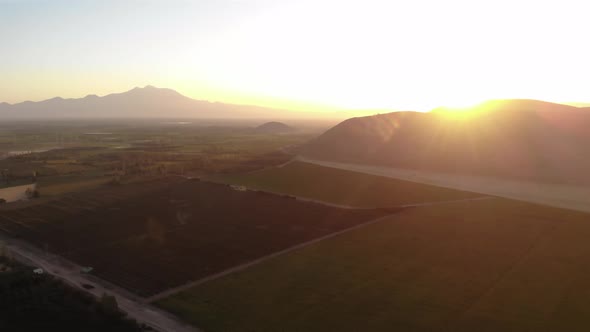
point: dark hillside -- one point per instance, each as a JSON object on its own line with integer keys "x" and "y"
{"x": 274, "y": 128}
{"x": 514, "y": 138}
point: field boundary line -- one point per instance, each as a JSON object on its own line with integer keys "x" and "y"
{"x": 480, "y": 198}
{"x": 351, "y": 207}
{"x": 463, "y": 312}
{"x": 262, "y": 259}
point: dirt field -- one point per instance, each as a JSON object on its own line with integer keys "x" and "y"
{"x": 15, "y": 193}
{"x": 558, "y": 195}
{"x": 489, "y": 265}
{"x": 152, "y": 236}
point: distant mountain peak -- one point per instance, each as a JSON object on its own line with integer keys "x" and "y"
{"x": 147, "y": 87}
{"x": 140, "y": 102}
{"x": 274, "y": 127}
{"x": 152, "y": 90}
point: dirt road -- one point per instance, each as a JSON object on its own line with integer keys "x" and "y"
{"x": 564, "y": 196}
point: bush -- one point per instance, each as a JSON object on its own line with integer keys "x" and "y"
{"x": 32, "y": 193}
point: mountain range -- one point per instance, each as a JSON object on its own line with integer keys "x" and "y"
{"x": 525, "y": 139}
{"x": 147, "y": 102}
{"x": 519, "y": 138}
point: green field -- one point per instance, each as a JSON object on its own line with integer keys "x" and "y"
{"x": 342, "y": 187}
{"x": 69, "y": 183}
{"x": 490, "y": 265}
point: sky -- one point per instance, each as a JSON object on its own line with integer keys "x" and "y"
{"x": 356, "y": 54}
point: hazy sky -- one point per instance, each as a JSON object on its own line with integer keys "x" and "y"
{"x": 412, "y": 54}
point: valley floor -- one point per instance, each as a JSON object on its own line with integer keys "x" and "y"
{"x": 474, "y": 264}
{"x": 288, "y": 249}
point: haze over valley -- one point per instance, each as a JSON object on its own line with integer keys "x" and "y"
{"x": 288, "y": 166}
{"x": 145, "y": 103}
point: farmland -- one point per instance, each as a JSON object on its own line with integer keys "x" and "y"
{"x": 342, "y": 187}
{"x": 128, "y": 202}
{"x": 489, "y": 265}
{"x": 153, "y": 235}
{"x": 66, "y": 157}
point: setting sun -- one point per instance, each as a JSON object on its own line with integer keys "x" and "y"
{"x": 307, "y": 54}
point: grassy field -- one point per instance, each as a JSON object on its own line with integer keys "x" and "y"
{"x": 59, "y": 185}
{"x": 490, "y": 265}
{"x": 342, "y": 187}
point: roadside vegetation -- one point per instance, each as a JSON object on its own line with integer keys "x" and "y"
{"x": 39, "y": 302}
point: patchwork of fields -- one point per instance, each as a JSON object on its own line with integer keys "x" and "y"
{"x": 485, "y": 265}
{"x": 153, "y": 236}
{"x": 490, "y": 265}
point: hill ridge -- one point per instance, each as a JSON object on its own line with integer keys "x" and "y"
{"x": 146, "y": 102}
{"x": 519, "y": 139}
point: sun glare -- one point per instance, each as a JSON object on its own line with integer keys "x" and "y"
{"x": 463, "y": 105}
{"x": 371, "y": 54}
{"x": 461, "y": 108}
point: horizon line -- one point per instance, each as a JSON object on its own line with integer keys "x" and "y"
{"x": 322, "y": 108}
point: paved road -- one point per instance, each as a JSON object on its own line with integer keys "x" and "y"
{"x": 564, "y": 196}
{"x": 70, "y": 274}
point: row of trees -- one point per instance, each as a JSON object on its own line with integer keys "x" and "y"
{"x": 7, "y": 177}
